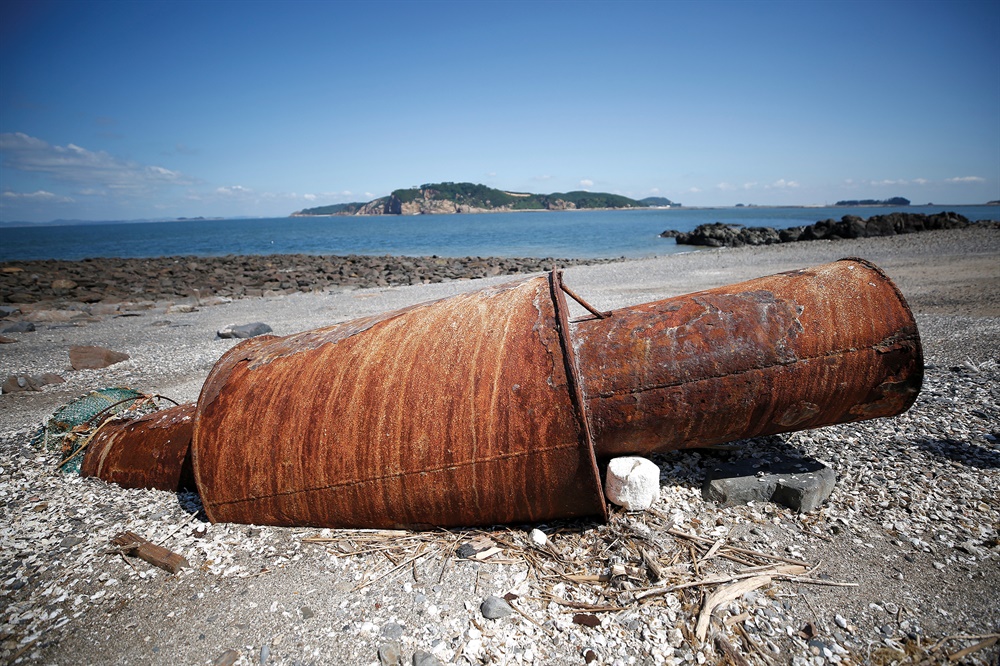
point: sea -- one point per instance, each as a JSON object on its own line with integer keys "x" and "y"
{"x": 563, "y": 234}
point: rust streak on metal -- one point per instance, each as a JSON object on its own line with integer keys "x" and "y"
{"x": 797, "y": 350}
{"x": 490, "y": 407}
{"x": 451, "y": 413}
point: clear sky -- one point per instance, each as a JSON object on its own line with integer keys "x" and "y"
{"x": 124, "y": 110}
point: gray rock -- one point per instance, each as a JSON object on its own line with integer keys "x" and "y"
{"x": 800, "y": 484}
{"x": 307, "y": 612}
{"x": 18, "y": 327}
{"x": 393, "y": 631}
{"x": 494, "y": 607}
{"x": 390, "y": 654}
{"x": 265, "y": 653}
{"x": 245, "y": 330}
{"x": 70, "y": 541}
{"x": 421, "y": 658}
{"x": 19, "y": 383}
{"x": 8, "y": 310}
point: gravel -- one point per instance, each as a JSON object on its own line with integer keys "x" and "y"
{"x": 903, "y": 560}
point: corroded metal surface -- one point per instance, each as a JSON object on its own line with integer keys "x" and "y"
{"x": 457, "y": 412}
{"x": 793, "y": 351}
{"x": 148, "y": 452}
{"x": 489, "y": 407}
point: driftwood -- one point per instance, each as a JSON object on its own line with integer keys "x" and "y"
{"x": 131, "y": 543}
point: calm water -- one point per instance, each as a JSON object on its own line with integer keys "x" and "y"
{"x": 570, "y": 234}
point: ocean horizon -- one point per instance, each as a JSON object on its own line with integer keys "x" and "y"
{"x": 580, "y": 234}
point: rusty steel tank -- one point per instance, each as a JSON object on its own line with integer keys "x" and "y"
{"x": 153, "y": 451}
{"x": 492, "y": 407}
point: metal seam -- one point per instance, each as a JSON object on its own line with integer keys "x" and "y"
{"x": 575, "y": 387}
{"x": 840, "y": 352}
{"x": 358, "y": 482}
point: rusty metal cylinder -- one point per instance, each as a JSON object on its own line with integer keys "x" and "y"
{"x": 793, "y": 351}
{"x": 149, "y": 452}
{"x": 489, "y": 407}
{"x": 458, "y": 412}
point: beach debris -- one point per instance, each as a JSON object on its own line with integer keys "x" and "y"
{"x": 18, "y": 327}
{"x": 70, "y": 428}
{"x": 244, "y": 330}
{"x": 800, "y": 484}
{"x": 94, "y": 358}
{"x": 480, "y": 548}
{"x": 724, "y": 364}
{"x": 130, "y": 543}
{"x": 723, "y": 595}
{"x": 4, "y": 340}
{"x": 632, "y": 483}
{"x": 491, "y": 407}
{"x": 151, "y": 451}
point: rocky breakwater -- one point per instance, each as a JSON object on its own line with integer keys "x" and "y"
{"x": 110, "y": 280}
{"x": 719, "y": 234}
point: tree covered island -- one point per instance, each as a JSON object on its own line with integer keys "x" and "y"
{"x": 445, "y": 198}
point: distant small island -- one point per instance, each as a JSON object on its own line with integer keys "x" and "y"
{"x": 894, "y": 201}
{"x": 448, "y": 198}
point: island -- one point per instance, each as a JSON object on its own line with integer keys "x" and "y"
{"x": 894, "y": 201}
{"x": 449, "y": 198}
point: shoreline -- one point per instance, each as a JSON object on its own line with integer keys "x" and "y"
{"x": 76, "y": 284}
{"x": 912, "y": 529}
{"x": 16, "y": 224}
{"x": 69, "y": 284}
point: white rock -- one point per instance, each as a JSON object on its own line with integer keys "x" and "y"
{"x": 537, "y": 538}
{"x": 632, "y": 483}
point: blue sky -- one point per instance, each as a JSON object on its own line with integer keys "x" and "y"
{"x": 162, "y": 109}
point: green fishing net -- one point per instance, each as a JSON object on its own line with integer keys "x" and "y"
{"x": 68, "y": 430}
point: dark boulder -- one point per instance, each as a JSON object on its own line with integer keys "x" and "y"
{"x": 18, "y": 327}
{"x": 719, "y": 234}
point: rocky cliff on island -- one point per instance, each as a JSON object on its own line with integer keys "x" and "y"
{"x": 718, "y": 234}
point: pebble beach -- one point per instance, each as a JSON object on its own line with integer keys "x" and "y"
{"x": 900, "y": 566}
